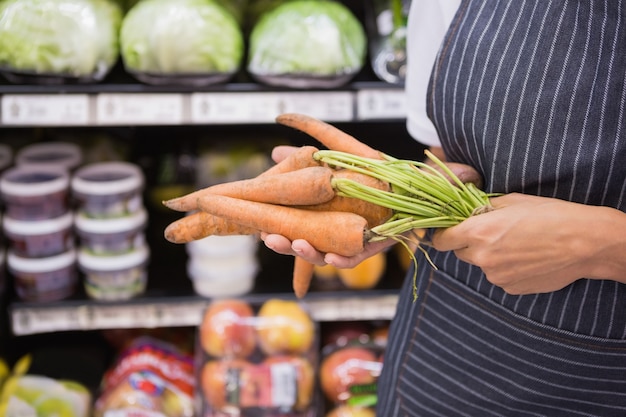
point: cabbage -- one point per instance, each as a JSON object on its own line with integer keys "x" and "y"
{"x": 321, "y": 38}
{"x": 180, "y": 37}
{"x": 75, "y": 38}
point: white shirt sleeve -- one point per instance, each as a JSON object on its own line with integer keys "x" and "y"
{"x": 427, "y": 24}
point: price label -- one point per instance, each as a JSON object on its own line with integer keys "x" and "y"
{"x": 381, "y": 104}
{"x": 373, "y": 308}
{"x": 45, "y": 110}
{"x": 32, "y": 320}
{"x": 122, "y": 317}
{"x": 330, "y": 106}
{"x": 184, "y": 314}
{"x": 142, "y": 109}
{"x": 234, "y": 107}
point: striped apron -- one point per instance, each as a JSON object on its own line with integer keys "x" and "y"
{"x": 531, "y": 93}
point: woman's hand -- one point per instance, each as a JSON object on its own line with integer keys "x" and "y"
{"x": 531, "y": 244}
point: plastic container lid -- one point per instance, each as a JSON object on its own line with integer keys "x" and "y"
{"x": 110, "y": 263}
{"x": 110, "y": 225}
{"x": 31, "y": 181}
{"x": 41, "y": 265}
{"x": 220, "y": 246}
{"x": 52, "y": 154}
{"x": 105, "y": 178}
{"x": 37, "y": 227}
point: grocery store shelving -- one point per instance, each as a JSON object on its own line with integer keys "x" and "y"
{"x": 121, "y": 101}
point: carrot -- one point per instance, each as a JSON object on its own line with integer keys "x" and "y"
{"x": 302, "y": 276}
{"x": 327, "y": 134}
{"x": 343, "y": 233}
{"x": 302, "y": 157}
{"x": 199, "y": 225}
{"x": 304, "y": 186}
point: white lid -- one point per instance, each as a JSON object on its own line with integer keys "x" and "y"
{"x": 104, "y": 178}
{"x": 37, "y": 227}
{"x": 39, "y": 265}
{"x": 113, "y": 262}
{"x": 55, "y": 154}
{"x": 28, "y": 181}
{"x": 218, "y": 246}
{"x": 110, "y": 225}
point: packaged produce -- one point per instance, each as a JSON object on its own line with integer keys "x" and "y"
{"x": 307, "y": 44}
{"x": 114, "y": 277}
{"x": 256, "y": 361}
{"x": 43, "y": 279}
{"x": 349, "y": 373}
{"x": 194, "y": 42}
{"x": 108, "y": 189}
{"x": 111, "y": 236}
{"x": 54, "y": 154}
{"x": 149, "y": 379}
{"x": 35, "y": 193}
{"x": 56, "y": 41}
{"x": 39, "y": 238}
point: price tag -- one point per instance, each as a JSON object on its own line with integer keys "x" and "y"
{"x": 123, "y": 317}
{"x": 381, "y": 104}
{"x": 184, "y": 314}
{"x": 330, "y": 106}
{"x": 33, "y": 320}
{"x": 45, "y": 110}
{"x": 367, "y": 308}
{"x": 142, "y": 109}
{"x": 234, "y": 107}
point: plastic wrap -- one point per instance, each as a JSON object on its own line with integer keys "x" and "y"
{"x": 307, "y": 44}
{"x": 256, "y": 362}
{"x": 58, "y": 41}
{"x": 184, "y": 42}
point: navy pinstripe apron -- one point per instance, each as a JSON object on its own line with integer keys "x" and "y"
{"x": 532, "y": 94}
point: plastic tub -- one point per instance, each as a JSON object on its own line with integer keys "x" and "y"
{"x": 35, "y": 193}
{"x": 6, "y": 156}
{"x": 44, "y": 279}
{"x": 2, "y": 269}
{"x": 222, "y": 277}
{"x": 50, "y": 154}
{"x": 39, "y": 238}
{"x": 111, "y": 236}
{"x": 220, "y": 246}
{"x": 116, "y": 277}
{"x": 108, "y": 189}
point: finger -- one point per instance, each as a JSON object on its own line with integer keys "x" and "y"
{"x": 278, "y": 243}
{"x": 280, "y": 152}
{"x": 306, "y": 251}
{"x": 449, "y": 239}
{"x": 350, "y": 262}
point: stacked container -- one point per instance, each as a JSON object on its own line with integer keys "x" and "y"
{"x": 38, "y": 220}
{"x": 110, "y": 221}
{"x": 6, "y": 160}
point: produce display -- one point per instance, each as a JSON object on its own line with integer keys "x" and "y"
{"x": 185, "y": 41}
{"x": 256, "y": 361}
{"x": 72, "y": 39}
{"x": 27, "y": 395}
{"x": 382, "y": 198}
{"x": 307, "y": 43}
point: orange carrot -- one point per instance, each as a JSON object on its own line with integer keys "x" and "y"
{"x": 302, "y": 276}
{"x": 199, "y": 225}
{"x": 343, "y": 233}
{"x": 304, "y": 186}
{"x": 300, "y": 158}
{"x": 327, "y": 134}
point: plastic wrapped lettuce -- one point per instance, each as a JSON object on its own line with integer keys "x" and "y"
{"x": 58, "y": 40}
{"x": 193, "y": 42}
{"x": 307, "y": 44}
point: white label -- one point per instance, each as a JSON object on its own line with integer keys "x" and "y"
{"x": 31, "y": 321}
{"x": 329, "y": 106}
{"x": 284, "y": 383}
{"x": 381, "y": 104}
{"x": 128, "y": 109}
{"x": 234, "y": 107}
{"x": 45, "y": 110}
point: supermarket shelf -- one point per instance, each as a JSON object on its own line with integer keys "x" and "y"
{"x": 31, "y": 318}
{"x": 247, "y": 103}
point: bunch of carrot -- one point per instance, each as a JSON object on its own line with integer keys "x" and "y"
{"x": 337, "y": 199}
